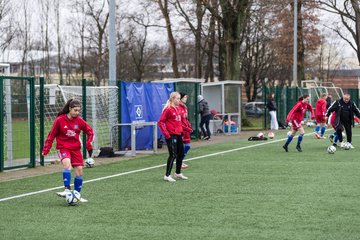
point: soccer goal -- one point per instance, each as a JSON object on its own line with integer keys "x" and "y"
{"x": 315, "y": 88}
{"x": 101, "y": 110}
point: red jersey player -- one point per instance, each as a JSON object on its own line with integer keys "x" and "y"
{"x": 320, "y": 116}
{"x": 296, "y": 115}
{"x": 66, "y": 130}
{"x": 171, "y": 126}
{"x": 187, "y": 129}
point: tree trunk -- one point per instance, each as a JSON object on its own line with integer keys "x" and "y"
{"x": 233, "y": 23}
{"x": 165, "y": 11}
{"x": 209, "y": 74}
{"x": 301, "y": 47}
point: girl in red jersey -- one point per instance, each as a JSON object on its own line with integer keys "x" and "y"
{"x": 171, "y": 126}
{"x": 296, "y": 115}
{"x": 186, "y": 125}
{"x": 66, "y": 129}
{"x": 320, "y": 116}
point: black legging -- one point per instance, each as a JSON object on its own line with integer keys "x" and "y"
{"x": 205, "y": 120}
{"x": 176, "y": 151}
{"x": 339, "y": 129}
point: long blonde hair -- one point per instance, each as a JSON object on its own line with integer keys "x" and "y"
{"x": 170, "y": 101}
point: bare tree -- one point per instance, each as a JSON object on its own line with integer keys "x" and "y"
{"x": 195, "y": 28}
{"x": 282, "y": 22}
{"x": 24, "y": 37}
{"x": 256, "y": 56}
{"x": 141, "y": 53}
{"x": 163, "y": 5}
{"x": 327, "y": 58}
{"x": 232, "y": 17}
{"x": 79, "y": 24}
{"x": 99, "y": 19}
{"x": 58, "y": 40}
{"x": 44, "y": 26}
{"x": 348, "y": 12}
{"x": 6, "y": 24}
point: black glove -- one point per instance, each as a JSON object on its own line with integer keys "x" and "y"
{"x": 90, "y": 153}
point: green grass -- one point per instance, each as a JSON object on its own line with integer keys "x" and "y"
{"x": 259, "y": 192}
{"x": 256, "y": 123}
{"x": 20, "y": 139}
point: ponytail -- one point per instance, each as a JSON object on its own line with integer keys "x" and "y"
{"x": 171, "y": 100}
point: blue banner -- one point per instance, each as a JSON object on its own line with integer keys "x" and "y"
{"x": 142, "y": 102}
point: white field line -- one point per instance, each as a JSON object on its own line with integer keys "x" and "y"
{"x": 146, "y": 169}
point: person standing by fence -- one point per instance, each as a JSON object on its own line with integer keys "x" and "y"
{"x": 271, "y": 106}
{"x": 205, "y": 114}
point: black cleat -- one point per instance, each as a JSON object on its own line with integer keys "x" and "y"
{"x": 331, "y": 138}
{"x": 286, "y": 148}
{"x": 298, "y": 148}
{"x": 335, "y": 145}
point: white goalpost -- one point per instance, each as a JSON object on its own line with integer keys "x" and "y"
{"x": 101, "y": 110}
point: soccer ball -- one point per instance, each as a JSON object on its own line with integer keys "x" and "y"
{"x": 260, "y": 135}
{"x": 331, "y": 149}
{"x": 89, "y": 162}
{"x": 271, "y": 135}
{"x": 72, "y": 197}
{"x": 347, "y": 146}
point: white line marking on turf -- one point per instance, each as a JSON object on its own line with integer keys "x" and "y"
{"x": 145, "y": 169}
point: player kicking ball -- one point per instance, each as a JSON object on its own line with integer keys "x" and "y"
{"x": 66, "y": 130}
{"x": 296, "y": 116}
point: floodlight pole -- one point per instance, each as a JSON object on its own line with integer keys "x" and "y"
{"x": 295, "y": 80}
{"x": 112, "y": 43}
{"x": 112, "y": 60}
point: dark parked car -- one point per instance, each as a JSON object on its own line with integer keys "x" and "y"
{"x": 254, "y": 109}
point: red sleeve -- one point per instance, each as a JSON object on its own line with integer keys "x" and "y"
{"x": 89, "y": 133}
{"x": 309, "y": 107}
{"x": 324, "y": 108}
{"x": 292, "y": 111}
{"x": 186, "y": 125}
{"x": 51, "y": 136}
{"x": 162, "y": 125}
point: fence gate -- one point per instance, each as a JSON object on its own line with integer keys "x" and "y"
{"x": 17, "y": 124}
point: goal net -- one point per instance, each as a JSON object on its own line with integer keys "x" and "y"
{"x": 315, "y": 88}
{"x": 101, "y": 110}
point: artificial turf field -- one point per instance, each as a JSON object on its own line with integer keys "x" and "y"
{"x": 237, "y": 190}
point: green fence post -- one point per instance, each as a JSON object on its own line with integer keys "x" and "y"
{"x": 32, "y": 123}
{"x": 119, "y": 130}
{"x": 196, "y": 111}
{"x": 265, "y": 99}
{"x": 41, "y": 118}
{"x": 2, "y": 124}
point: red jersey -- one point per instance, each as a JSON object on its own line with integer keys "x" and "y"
{"x": 320, "y": 107}
{"x": 332, "y": 119}
{"x": 67, "y": 134}
{"x": 170, "y": 122}
{"x": 298, "y": 111}
{"x": 186, "y": 125}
